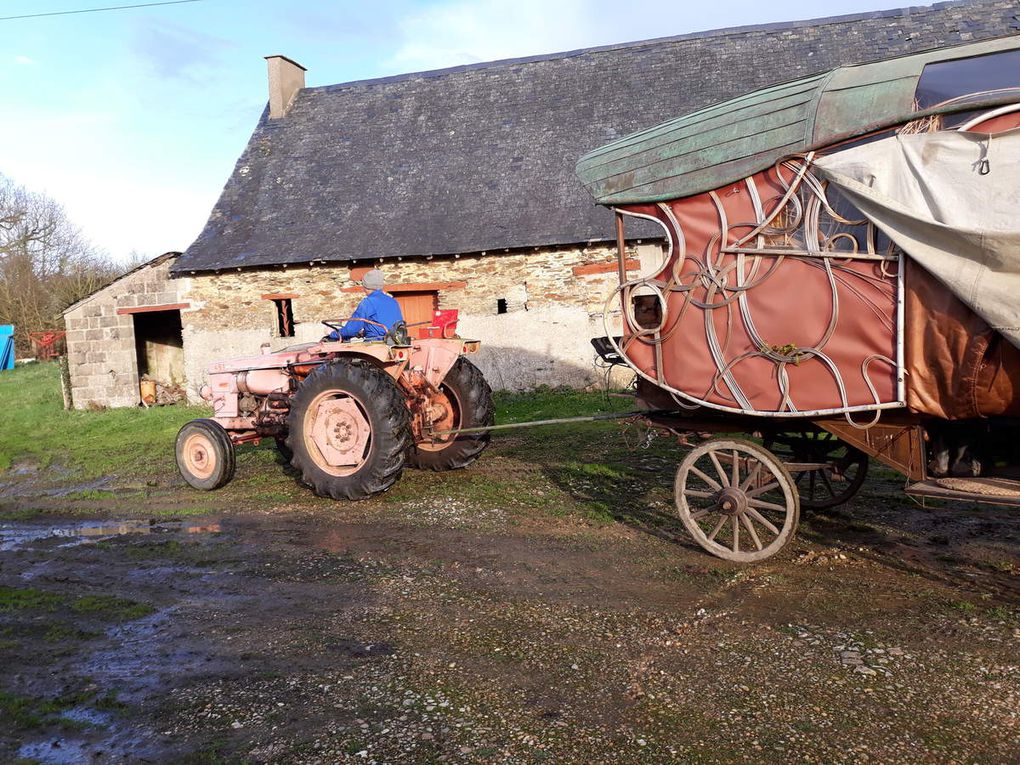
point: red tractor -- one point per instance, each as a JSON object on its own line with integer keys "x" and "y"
{"x": 348, "y": 416}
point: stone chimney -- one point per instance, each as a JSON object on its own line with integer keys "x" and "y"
{"x": 286, "y": 78}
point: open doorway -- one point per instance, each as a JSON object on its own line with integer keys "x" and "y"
{"x": 159, "y": 346}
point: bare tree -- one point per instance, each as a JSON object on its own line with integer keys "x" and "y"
{"x": 45, "y": 262}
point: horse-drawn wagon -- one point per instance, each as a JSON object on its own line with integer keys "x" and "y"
{"x": 841, "y": 276}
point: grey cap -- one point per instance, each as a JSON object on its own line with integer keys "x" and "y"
{"x": 373, "y": 280}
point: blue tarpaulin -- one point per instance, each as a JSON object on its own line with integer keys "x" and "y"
{"x": 6, "y": 347}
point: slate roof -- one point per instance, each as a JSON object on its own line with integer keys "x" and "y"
{"x": 481, "y": 157}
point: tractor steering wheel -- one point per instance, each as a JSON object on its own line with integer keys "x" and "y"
{"x": 335, "y": 324}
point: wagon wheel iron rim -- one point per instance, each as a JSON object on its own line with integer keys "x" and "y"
{"x": 199, "y": 455}
{"x": 737, "y": 500}
{"x": 835, "y": 484}
{"x": 337, "y": 433}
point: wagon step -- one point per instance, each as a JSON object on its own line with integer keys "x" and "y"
{"x": 990, "y": 491}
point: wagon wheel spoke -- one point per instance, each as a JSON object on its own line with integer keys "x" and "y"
{"x": 700, "y": 494}
{"x": 710, "y": 481}
{"x": 697, "y": 515}
{"x": 766, "y": 505}
{"x": 736, "y": 533}
{"x": 752, "y": 477}
{"x": 750, "y": 530}
{"x": 762, "y": 489}
{"x": 762, "y": 520}
{"x": 719, "y": 468}
{"x": 735, "y": 476}
{"x": 843, "y": 464}
{"x": 717, "y": 528}
{"x": 828, "y": 483}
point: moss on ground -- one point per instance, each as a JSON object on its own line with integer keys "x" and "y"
{"x": 22, "y": 598}
{"x": 19, "y": 599}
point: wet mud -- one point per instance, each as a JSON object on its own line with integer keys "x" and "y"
{"x": 400, "y": 632}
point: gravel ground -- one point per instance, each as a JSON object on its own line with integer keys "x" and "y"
{"x": 454, "y": 623}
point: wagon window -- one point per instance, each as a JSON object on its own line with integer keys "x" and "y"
{"x": 946, "y": 80}
{"x": 647, "y": 311}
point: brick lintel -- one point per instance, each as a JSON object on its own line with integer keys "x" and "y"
{"x": 150, "y": 308}
{"x": 605, "y": 268}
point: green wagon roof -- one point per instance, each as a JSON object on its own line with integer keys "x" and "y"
{"x": 727, "y": 142}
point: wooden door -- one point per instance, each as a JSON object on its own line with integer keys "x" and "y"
{"x": 418, "y": 308}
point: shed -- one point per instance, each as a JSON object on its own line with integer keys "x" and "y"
{"x": 128, "y": 329}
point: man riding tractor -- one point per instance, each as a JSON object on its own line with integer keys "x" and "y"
{"x": 377, "y": 316}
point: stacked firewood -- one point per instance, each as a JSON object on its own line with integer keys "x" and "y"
{"x": 166, "y": 392}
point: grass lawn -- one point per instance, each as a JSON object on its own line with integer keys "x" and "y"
{"x": 139, "y": 442}
{"x": 34, "y": 427}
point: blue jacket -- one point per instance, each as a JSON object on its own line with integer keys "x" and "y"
{"x": 377, "y": 306}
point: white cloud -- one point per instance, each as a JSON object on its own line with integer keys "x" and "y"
{"x": 24, "y": 60}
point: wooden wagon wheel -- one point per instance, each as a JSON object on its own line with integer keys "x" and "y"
{"x": 840, "y": 472}
{"x": 737, "y": 500}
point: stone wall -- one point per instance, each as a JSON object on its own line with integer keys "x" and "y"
{"x": 554, "y": 298}
{"x": 101, "y": 342}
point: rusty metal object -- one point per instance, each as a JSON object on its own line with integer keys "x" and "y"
{"x": 901, "y": 447}
{"x": 47, "y": 345}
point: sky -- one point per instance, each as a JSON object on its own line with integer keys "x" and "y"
{"x": 133, "y": 119}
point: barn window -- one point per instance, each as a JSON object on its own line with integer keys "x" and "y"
{"x": 501, "y": 305}
{"x": 284, "y": 317}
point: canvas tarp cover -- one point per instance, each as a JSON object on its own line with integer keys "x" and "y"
{"x": 949, "y": 200}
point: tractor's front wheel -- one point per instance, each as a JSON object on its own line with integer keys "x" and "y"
{"x": 349, "y": 430}
{"x": 205, "y": 454}
{"x": 467, "y": 400}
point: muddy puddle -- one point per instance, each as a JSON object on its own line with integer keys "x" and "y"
{"x": 17, "y": 535}
{"x": 105, "y": 743}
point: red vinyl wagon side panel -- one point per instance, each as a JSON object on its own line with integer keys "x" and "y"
{"x": 836, "y": 327}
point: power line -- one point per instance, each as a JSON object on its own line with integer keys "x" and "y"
{"x": 97, "y": 10}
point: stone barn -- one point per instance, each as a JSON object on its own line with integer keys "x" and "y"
{"x": 129, "y": 329}
{"x": 459, "y": 184}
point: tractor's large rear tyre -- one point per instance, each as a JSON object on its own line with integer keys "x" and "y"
{"x": 205, "y": 455}
{"x": 349, "y": 430}
{"x": 470, "y": 401}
